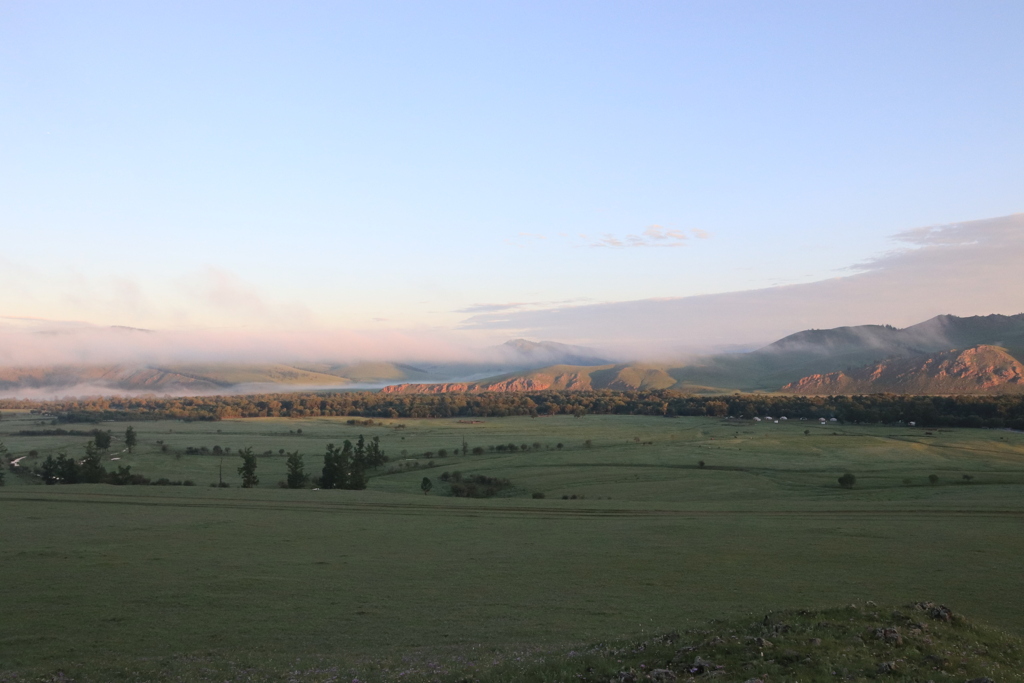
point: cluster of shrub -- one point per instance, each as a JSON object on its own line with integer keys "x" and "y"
{"x": 441, "y": 453}
{"x": 512, "y": 448}
{"x": 373, "y": 423}
{"x": 848, "y": 480}
{"x": 474, "y": 485}
{"x": 203, "y": 450}
{"x": 55, "y": 432}
{"x": 409, "y": 465}
{"x": 480, "y": 450}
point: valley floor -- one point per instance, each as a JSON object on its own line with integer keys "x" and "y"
{"x": 101, "y": 579}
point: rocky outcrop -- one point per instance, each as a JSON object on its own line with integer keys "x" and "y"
{"x": 978, "y": 370}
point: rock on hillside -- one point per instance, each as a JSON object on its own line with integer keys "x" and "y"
{"x": 979, "y": 370}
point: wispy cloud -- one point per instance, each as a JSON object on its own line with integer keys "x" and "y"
{"x": 653, "y": 236}
{"x": 489, "y": 308}
{"x": 520, "y": 305}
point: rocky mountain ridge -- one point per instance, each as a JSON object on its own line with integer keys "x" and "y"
{"x": 981, "y": 369}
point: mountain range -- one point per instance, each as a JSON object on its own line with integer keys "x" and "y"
{"x": 944, "y": 355}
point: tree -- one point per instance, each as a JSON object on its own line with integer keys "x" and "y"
{"x": 130, "y": 439}
{"x": 336, "y": 465}
{"x": 67, "y": 469}
{"x": 933, "y": 479}
{"x": 91, "y": 470}
{"x": 375, "y": 457}
{"x": 357, "y": 466}
{"x": 248, "y": 468}
{"x": 101, "y": 438}
{"x": 329, "y": 474}
{"x": 847, "y": 480}
{"x": 426, "y": 485}
{"x": 122, "y": 477}
{"x": 296, "y": 471}
{"x": 50, "y": 471}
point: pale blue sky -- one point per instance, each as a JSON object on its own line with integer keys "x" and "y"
{"x": 375, "y": 165}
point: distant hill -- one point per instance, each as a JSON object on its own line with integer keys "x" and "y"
{"x": 978, "y": 370}
{"x": 177, "y": 379}
{"x": 536, "y": 354}
{"x": 937, "y": 334}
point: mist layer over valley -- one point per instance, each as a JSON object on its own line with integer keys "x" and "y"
{"x": 943, "y": 355}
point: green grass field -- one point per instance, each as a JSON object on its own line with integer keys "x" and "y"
{"x": 187, "y": 583}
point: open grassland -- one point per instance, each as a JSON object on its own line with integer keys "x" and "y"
{"x": 103, "y": 581}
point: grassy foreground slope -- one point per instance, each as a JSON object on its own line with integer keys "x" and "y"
{"x": 102, "y": 581}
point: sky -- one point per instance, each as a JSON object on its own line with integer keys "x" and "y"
{"x": 377, "y": 177}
